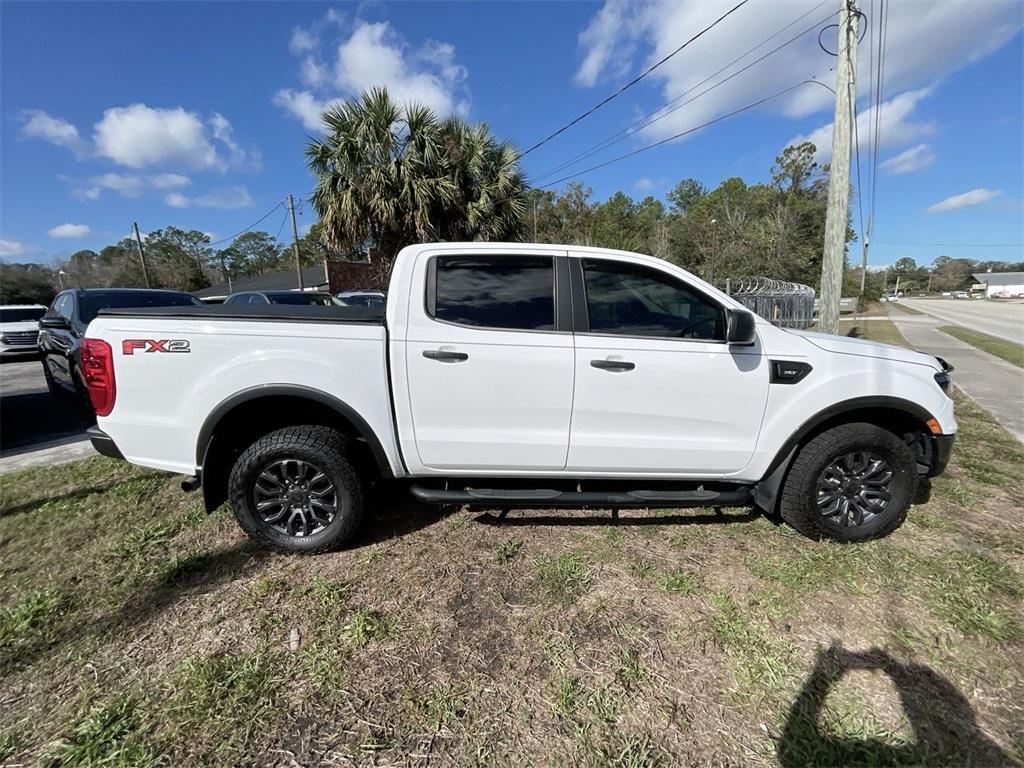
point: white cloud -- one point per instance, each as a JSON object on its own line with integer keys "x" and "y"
{"x": 69, "y": 230}
{"x": 40, "y": 125}
{"x": 911, "y": 160}
{"x": 630, "y": 35}
{"x": 302, "y": 40}
{"x": 127, "y": 185}
{"x": 177, "y": 200}
{"x": 895, "y": 125}
{"x": 371, "y": 55}
{"x": 86, "y": 193}
{"x": 225, "y": 198}
{"x": 964, "y": 200}
{"x": 12, "y": 248}
{"x": 648, "y": 185}
{"x": 169, "y": 180}
{"x": 137, "y": 136}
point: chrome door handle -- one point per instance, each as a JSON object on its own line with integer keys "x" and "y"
{"x": 613, "y": 365}
{"x": 445, "y": 355}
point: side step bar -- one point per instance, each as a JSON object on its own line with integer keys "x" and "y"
{"x": 544, "y": 497}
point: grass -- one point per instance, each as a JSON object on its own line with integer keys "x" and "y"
{"x": 1007, "y": 350}
{"x": 904, "y": 308}
{"x": 137, "y": 630}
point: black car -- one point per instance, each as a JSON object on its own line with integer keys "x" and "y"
{"x": 314, "y": 298}
{"x": 62, "y": 327}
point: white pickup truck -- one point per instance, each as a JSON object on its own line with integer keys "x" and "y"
{"x": 519, "y": 375}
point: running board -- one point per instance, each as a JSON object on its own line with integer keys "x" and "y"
{"x": 545, "y": 497}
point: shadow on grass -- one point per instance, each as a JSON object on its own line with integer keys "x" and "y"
{"x": 393, "y": 513}
{"x": 490, "y": 518}
{"x": 184, "y": 577}
{"x": 945, "y": 730}
{"x": 75, "y": 495}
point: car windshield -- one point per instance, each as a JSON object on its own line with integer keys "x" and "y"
{"x": 92, "y": 302}
{"x": 315, "y": 299}
{"x": 21, "y": 314}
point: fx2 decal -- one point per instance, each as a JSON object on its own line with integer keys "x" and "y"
{"x": 128, "y": 346}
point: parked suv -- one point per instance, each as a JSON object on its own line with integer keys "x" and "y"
{"x": 63, "y": 325}
{"x": 19, "y": 330}
{"x": 306, "y": 298}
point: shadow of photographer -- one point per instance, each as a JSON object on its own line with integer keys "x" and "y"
{"x": 944, "y": 726}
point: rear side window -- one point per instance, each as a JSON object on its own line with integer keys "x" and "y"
{"x": 516, "y": 293}
{"x": 633, "y": 300}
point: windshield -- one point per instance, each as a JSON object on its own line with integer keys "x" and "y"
{"x": 315, "y": 299}
{"x": 21, "y": 314}
{"x": 91, "y": 303}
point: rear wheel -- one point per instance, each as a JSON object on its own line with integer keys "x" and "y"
{"x": 295, "y": 490}
{"x": 852, "y": 482}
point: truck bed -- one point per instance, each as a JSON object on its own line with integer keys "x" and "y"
{"x": 271, "y": 312}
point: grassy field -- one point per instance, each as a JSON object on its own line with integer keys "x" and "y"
{"x": 136, "y": 630}
{"x": 1010, "y": 352}
{"x": 901, "y": 307}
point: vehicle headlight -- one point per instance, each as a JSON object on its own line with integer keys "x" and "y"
{"x": 945, "y": 382}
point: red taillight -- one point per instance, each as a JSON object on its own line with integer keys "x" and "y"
{"x": 98, "y": 369}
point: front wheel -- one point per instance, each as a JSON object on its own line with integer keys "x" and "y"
{"x": 294, "y": 490}
{"x": 850, "y": 483}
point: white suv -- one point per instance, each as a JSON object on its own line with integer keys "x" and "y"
{"x": 19, "y": 330}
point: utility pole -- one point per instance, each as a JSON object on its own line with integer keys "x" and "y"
{"x": 295, "y": 243}
{"x": 142, "y": 253}
{"x": 839, "y": 177}
{"x": 714, "y": 251}
{"x": 864, "y": 258}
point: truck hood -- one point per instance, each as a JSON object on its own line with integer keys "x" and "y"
{"x": 19, "y": 325}
{"x": 846, "y": 345}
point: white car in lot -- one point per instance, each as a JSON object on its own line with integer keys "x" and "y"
{"x": 19, "y": 330}
{"x": 512, "y": 374}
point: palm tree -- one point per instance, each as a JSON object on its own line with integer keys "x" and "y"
{"x": 391, "y": 175}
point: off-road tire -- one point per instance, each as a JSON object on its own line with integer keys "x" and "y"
{"x": 798, "y": 504}
{"x": 321, "y": 446}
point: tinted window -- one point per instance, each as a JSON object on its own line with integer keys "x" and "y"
{"x": 21, "y": 315}
{"x": 316, "y": 299}
{"x": 92, "y": 302}
{"x": 496, "y": 292}
{"x": 237, "y": 298}
{"x": 64, "y": 305}
{"x": 634, "y": 300}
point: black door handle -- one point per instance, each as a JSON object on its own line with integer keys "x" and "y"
{"x": 613, "y": 365}
{"x": 445, "y": 355}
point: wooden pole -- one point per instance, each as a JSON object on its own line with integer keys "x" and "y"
{"x": 295, "y": 242}
{"x": 836, "y": 218}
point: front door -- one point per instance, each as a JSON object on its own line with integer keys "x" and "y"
{"x": 658, "y": 390}
{"x": 489, "y": 369}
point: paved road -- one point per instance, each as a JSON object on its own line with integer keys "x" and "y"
{"x": 1002, "y": 318}
{"x": 996, "y": 385}
{"x": 35, "y": 427}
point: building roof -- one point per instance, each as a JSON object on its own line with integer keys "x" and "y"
{"x": 1000, "y": 278}
{"x": 312, "y": 277}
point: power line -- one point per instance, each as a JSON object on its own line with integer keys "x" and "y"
{"x": 883, "y": 34}
{"x": 640, "y": 123}
{"x": 676, "y": 136}
{"x": 242, "y": 232}
{"x": 634, "y": 81}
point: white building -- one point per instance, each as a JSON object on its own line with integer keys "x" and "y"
{"x": 1001, "y": 284}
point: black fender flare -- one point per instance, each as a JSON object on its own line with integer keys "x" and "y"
{"x": 342, "y": 408}
{"x": 785, "y": 453}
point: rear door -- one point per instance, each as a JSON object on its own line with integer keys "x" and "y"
{"x": 489, "y": 362}
{"x": 658, "y": 390}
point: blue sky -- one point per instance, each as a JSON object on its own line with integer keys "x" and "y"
{"x": 195, "y": 114}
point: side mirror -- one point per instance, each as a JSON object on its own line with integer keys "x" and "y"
{"x": 54, "y": 321}
{"x": 740, "y": 327}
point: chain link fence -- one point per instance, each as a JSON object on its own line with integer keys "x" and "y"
{"x": 785, "y": 304}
